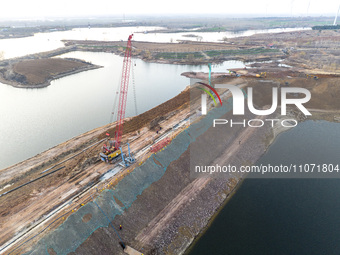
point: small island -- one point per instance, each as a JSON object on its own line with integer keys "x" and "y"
{"x": 38, "y": 73}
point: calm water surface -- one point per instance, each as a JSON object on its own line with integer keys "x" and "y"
{"x": 283, "y": 216}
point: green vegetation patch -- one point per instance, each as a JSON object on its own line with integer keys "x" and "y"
{"x": 212, "y": 29}
{"x": 212, "y": 53}
{"x": 178, "y": 55}
{"x": 253, "y": 51}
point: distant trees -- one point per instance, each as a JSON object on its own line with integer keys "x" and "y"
{"x": 326, "y": 27}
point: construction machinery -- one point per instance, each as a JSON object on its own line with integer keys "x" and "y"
{"x": 234, "y": 73}
{"x": 312, "y": 76}
{"x": 114, "y": 149}
{"x": 262, "y": 75}
{"x": 109, "y": 153}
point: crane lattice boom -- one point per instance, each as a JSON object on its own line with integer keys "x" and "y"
{"x": 123, "y": 92}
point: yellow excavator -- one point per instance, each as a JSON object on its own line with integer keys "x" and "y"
{"x": 262, "y": 75}
{"x": 312, "y": 76}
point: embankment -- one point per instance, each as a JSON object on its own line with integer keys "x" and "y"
{"x": 160, "y": 207}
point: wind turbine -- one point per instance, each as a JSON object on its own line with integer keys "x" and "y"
{"x": 336, "y": 16}
{"x": 308, "y": 7}
{"x": 291, "y": 8}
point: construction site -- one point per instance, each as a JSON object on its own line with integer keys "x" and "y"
{"x": 126, "y": 188}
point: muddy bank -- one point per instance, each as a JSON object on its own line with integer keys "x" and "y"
{"x": 39, "y": 73}
{"x": 39, "y": 69}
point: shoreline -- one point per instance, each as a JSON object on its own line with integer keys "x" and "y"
{"x": 237, "y": 155}
{"x": 229, "y": 196}
{"x": 212, "y": 219}
{"x": 318, "y": 115}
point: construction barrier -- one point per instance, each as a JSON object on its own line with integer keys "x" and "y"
{"x": 158, "y": 146}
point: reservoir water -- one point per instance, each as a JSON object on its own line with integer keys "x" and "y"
{"x": 34, "y": 120}
{"x": 283, "y": 216}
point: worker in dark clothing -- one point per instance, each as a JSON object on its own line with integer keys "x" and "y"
{"x": 120, "y": 227}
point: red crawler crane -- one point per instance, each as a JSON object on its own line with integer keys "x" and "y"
{"x": 109, "y": 154}
{"x": 123, "y": 92}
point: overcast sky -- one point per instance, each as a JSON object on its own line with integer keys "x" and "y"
{"x": 46, "y": 8}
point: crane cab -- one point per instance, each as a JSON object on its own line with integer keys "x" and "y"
{"x": 110, "y": 156}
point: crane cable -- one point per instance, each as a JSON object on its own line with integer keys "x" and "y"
{"x": 134, "y": 87}
{"x": 114, "y": 107}
{"x": 117, "y": 93}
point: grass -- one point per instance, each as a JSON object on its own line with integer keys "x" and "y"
{"x": 212, "y": 53}
{"x": 253, "y": 51}
{"x": 212, "y": 29}
{"x": 178, "y": 55}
